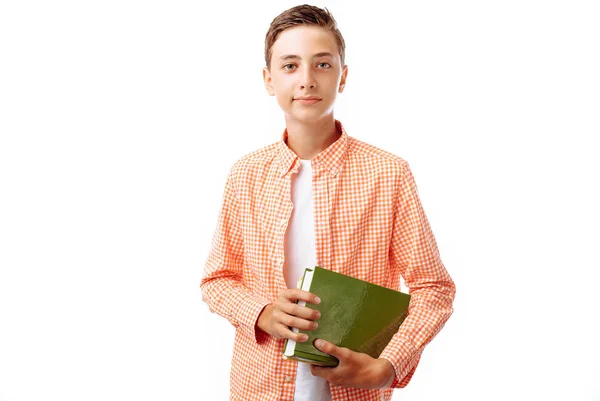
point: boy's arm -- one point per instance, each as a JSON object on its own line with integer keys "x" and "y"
{"x": 414, "y": 255}
{"x": 222, "y": 285}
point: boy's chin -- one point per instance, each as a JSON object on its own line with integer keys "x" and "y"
{"x": 308, "y": 115}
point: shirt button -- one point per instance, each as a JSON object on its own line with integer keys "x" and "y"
{"x": 283, "y": 221}
{"x": 279, "y": 261}
{"x": 289, "y": 379}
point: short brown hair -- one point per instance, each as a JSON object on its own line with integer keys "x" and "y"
{"x": 303, "y": 15}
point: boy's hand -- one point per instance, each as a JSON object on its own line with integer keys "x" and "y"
{"x": 355, "y": 369}
{"x": 277, "y": 317}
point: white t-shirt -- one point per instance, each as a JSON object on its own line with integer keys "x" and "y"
{"x": 300, "y": 253}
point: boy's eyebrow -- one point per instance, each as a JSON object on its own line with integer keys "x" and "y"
{"x": 294, "y": 56}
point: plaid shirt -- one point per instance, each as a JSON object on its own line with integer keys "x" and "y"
{"x": 369, "y": 224}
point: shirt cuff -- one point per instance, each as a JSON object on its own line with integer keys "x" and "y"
{"x": 260, "y": 336}
{"x": 248, "y": 314}
{"x": 404, "y": 358}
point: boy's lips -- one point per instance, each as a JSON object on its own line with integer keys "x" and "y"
{"x": 307, "y": 99}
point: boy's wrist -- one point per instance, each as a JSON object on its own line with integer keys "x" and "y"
{"x": 260, "y": 334}
{"x": 388, "y": 372}
{"x": 263, "y": 318}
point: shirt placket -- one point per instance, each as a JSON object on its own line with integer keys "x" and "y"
{"x": 288, "y": 380}
{"x": 284, "y": 211}
{"x": 322, "y": 213}
{"x": 288, "y": 368}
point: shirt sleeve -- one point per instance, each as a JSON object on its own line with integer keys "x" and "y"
{"x": 223, "y": 285}
{"x": 414, "y": 255}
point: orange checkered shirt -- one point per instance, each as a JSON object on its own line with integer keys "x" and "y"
{"x": 369, "y": 224}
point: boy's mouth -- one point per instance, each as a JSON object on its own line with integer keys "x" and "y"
{"x": 307, "y": 99}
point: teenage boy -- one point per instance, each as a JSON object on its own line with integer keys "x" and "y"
{"x": 318, "y": 197}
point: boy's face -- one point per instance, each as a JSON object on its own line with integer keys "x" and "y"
{"x": 305, "y": 61}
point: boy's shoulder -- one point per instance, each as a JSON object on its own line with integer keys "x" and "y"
{"x": 254, "y": 166}
{"x": 370, "y": 153}
{"x": 258, "y": 158}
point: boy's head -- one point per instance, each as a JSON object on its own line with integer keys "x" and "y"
{"x": 304, "y": 57}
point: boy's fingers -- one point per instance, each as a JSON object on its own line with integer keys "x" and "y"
{"x": 332, "y": 349}
{"x": 285, "y": 332}
{"x": 300, "y": 311}
{"x": 293, "y": 294}
{"x": 300, "y": 323}
{"x": 289, "y": 320}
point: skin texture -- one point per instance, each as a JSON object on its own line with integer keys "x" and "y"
{"x": 355, "y": 369}
{"x": 277, "y": 317}
{"x": 311, "y": 129}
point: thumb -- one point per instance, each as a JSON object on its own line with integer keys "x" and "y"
{"x": 330, "y": 348}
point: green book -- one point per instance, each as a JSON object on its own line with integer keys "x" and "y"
{"x": 355, "y": 314}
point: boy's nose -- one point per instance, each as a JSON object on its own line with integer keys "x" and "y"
{"x": 308, "y": 79}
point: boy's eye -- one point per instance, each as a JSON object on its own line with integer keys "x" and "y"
{"x": 285, "y": 67}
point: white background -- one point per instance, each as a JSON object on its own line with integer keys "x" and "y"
{"x": 119, "y": 121}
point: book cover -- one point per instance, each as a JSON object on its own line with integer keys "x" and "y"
{"x": 355, "y": 314}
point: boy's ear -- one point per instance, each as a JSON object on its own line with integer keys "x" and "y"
{"x": 267, "y": 79}
{"x": 343, "y": 79}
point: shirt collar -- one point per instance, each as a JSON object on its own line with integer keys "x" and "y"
{"x": 330, "y": 159}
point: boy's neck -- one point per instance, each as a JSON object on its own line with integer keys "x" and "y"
{"x": 309, "y": 139}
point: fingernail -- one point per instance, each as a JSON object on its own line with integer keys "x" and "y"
{"x": 317, "y": 300}
{"x": 319, "y": 343}
{"x": 304, "y": 337}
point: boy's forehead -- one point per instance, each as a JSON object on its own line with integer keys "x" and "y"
{"x": 304, "y": 41}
